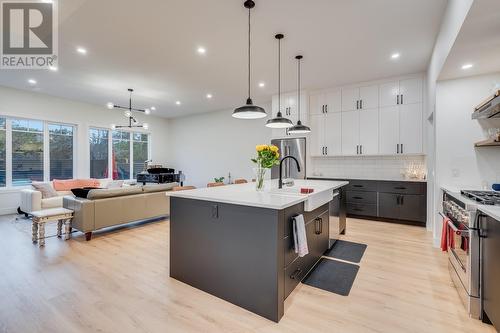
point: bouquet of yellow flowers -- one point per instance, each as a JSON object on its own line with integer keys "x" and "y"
{"x": 267, "y": 156}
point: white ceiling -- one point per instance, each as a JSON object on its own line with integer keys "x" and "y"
{"x": 151, "y": 46}
{"x": 478, "y": 42}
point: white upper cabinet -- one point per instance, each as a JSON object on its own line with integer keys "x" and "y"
{"x": 350, "y": 132}
{"x": 317, "y": 138}
{"x": 389, "y": 93}
{"x": 389, "y": 130}
{"x": 407, "y": 91}
{"x": 410, "y": 129}
{"x": 317, "y": 104}
{"x": 289, "y": 109}
{"x": 350, "y": 99}
{"x": 333, "y": 134}
{"x": 333, "y": 101}
{"x": 368, "y": 132}
{"x": 410, "y": 91}
{"x": 368, "y": 97}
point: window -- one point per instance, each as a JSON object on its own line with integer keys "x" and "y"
{"x": 99, "y": 153}
{"x": 3, "y": 153}
{"x": 27, "y": 151}
{"x": 61, "y": 151}
{"x": 121, "y": 155}
{"x": 140, "y": 146}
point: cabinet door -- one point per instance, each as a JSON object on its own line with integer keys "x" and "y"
{"x": 350, "y": 132}
{"x": 411, "y": 91}
{"x": 369, "y": 97}
{"x": 290, "y": 103}
{"x": 333, "y": 101}
{"x": 317, "y": 136}
{"x": 389, "y": 130}
{"x": 410, "y": 128}
{"x": 350, "y": 97}
{"x": 316, "y": 103}
{"x": 333, "y": 134}
{"x": 368, "y": 131}
{"x": 389, "y": 94}
{"x": 412, "y": 208}
{"x": 388, "y": 205}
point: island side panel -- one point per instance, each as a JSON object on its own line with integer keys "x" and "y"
{"x": 229, "y": 251}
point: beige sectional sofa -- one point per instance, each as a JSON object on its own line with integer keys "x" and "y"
{"x": 110, "y": 207}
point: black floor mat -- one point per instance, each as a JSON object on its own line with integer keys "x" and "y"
{"x": 347, "y": 251}
{"x": 333, "y": 276}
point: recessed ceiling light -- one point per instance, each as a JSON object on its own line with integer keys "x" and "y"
{"x": 395, "y": 55}
{"x": 201, "y": 50}
{"x": 81, "y": 50}
{"x": 32, "y": 82}
{"x": 110, "y": 105}
{"x": 147, "y": 111}
{"x": 178, "y": 102}
{"x": 262, "y": 84}
{"x": 467, "y": 66}
{"x": 209, "y": 96}
{"x": 153, "y": 108}
{"x": 53, "y": 68}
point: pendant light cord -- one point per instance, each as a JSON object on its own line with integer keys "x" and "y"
{"x": 249, "y": 53}
{"x": 298, "y": 89}
{"x": 279, "y": 76}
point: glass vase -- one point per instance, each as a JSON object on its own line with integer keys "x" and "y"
{"x": 260, "y": 173}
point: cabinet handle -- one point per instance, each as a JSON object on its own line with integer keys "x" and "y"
{"x": 358, "y": 198}
{"x": 316, "y": 226}
{"x": 402, "y": 99}
{"x": 401, "y": 148}
{"x": 397, "y": 149}
{"x": 326, "y": 150}
{"x": 320, "y": 225}
{"x": 294, "y": 275}
{"x": 357, "y": 149}
{"x": 397, "y": 199}
{"x": 357, "y": 185}
{"x": 326, "y": 108}
{"x": 402, "y": 200}
{"x": 323, "y": 150}
{"x": 361, "y": 104}
{"x": 397, "y": 99}
{"x": 322, "y": 109}
{"x": 400, "y": 188}
{"x": 361, "y": 149}
{"x": 357, "y": 105}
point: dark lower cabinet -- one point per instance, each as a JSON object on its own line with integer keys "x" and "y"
{"x": 403, "y": 201}
{"x": 490, "y": 248}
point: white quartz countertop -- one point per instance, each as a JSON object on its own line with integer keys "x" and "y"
{"x": 491, "y": 211}
{"x": 271, "y": 197}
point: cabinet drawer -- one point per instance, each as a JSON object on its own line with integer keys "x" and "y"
{"x": 289, "y": 249}
{"x": 361, "y": 197}
{"x": 402, "y": 187}
{"x": 362, "y": 209}
{"x": 294, "y": 273}
{"x": 362, "y": 185}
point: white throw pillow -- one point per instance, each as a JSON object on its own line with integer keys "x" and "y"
{"x": 115, "y": 184}
{"x": 46, "y": 189}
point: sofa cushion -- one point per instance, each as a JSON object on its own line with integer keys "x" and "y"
{"x": 54, "y": 202}
{"x": 45, "y": 188}
{"x": 114, "y": 184}
{"x": 113, "y": 192}
{"x": 69, "y": 184}
{"x": 159, "y": 187}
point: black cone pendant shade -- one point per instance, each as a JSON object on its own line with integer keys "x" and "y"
{"x": 299, "y": 128}
{"x": 249, "y": 111}
{"x": 279, "y": 121}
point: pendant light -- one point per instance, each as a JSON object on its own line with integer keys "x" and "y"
{"x": 299, "y": 128}
{"x": 249, "y": 111}
{"x": 279, "y": 121}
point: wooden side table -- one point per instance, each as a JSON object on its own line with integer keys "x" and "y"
{"x": 63, "y": 216}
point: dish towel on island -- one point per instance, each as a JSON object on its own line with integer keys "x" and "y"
{"x": 299, "y": 235}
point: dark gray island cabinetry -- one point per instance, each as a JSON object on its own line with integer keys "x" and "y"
{"x": 244, "y": 254}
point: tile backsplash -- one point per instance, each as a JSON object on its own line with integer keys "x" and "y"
{"x": 367, "y": 167}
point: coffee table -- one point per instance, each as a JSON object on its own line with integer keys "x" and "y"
{"x": 40, "y": 217}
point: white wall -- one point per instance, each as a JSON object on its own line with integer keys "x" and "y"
{"x": 458, "y": 163}
{"x": 213, "y": 144}
{"x": 453, "y": 19}
{"x": 22, "y": 104}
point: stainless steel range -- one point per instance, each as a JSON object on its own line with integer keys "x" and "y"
{"x": 460, "y": 214}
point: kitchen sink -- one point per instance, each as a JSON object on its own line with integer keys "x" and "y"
{"x": 314, "y": 200}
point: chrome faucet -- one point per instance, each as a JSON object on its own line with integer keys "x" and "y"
{"x": 280, "y": 184}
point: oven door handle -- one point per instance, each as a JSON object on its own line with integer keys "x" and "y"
{"x": 458, "y": 231}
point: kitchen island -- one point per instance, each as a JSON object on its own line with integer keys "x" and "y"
{"x": 237, "y": 244}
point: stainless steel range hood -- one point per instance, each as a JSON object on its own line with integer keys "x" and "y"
{"x": 490, "y": 108}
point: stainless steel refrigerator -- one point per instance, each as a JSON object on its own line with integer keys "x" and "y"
{"x": 295, "y": 147}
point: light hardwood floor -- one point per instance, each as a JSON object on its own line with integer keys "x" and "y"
{"x": 119, "y": 282}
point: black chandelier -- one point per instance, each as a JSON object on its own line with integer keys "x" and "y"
{"x": 132, "y": 122}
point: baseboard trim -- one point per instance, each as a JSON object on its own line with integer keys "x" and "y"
{"x": 8, "y": 211}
